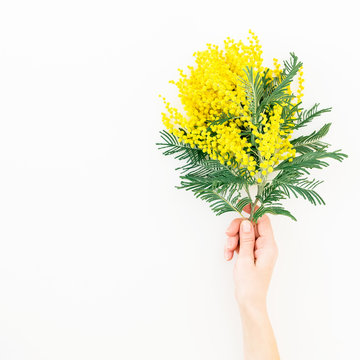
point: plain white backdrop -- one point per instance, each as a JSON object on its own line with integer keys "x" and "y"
{"x": 100, "y": 256}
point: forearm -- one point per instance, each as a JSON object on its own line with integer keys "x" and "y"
{"x": 258, "y": 336}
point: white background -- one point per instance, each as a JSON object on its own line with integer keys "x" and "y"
{"x": 100, "y": 256}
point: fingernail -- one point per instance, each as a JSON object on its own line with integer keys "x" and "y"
{"x": 246, "y": 226}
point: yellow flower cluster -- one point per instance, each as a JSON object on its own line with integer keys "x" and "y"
{"x": 300, "y": 92}
{"x": 216, "y": 116}
{"x": 273, "y": 142}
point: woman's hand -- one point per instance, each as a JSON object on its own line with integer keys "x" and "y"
{"x": 257, "y": 256}
{"x": 252, "y": 274}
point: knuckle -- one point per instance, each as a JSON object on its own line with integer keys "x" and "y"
{"x": 247, "y": 240}
{"x": 231, "y": 242}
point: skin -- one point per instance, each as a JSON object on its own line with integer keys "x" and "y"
{"x": 257, "y": 254}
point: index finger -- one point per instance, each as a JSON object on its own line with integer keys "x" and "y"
{"x": 234, "y": 227}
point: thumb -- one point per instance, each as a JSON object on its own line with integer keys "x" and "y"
{"x": 247, "y": 240}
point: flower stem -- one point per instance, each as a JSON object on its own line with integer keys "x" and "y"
{"x": 252, "y": 211}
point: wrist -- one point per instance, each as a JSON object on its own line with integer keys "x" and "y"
{"x": 253, "y": 310}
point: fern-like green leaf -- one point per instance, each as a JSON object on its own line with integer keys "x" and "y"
{"x": 221, "y": 199}
{"x": 308, "y": 194}
{"x": 311, "y": 160}
{"x": 181, "y": 151}
{"x": 276, "y": 209}
{"x": 307, "y": 116}
{"x": 216, "y": 180}
{"x": 221, "y": 120}
{"x": 254, "y": 87}
{"x": 280, "y": 94}
{"x": 309, "y": 143}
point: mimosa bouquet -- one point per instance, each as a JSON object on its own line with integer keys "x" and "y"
{"x": 234, "y": 132}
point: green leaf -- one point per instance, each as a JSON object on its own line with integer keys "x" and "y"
{"x": 217, "y": 180}
{"x": 275, "y": 210}
{"x": 307, "y": 116}
{"x": 289, "y": 111}
{"x": 308, "y": 194}
{"x": 221, "y": 200}
{"x": 181, "y": 151}
{"x": 222, "y": 119}
{"x": 270, "y": 195}
{"x": 279, "y": 94}
{"x": 309, "y": 143}
{"x": 288, "y": 183}
{"x": 254, "y": 87}
{"x": 311, "y": 160}
{"x": 213, "y": 170}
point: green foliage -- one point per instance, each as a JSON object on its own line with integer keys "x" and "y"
{"x": 255, "y": 89}
{"x": 209, "y": 180}
{"x": 279, "y": 93}
{"x": 286, "y": 184}
{"x": 311, "y": 160}
{"x": 223, "y": 118}
{"x": 275, "y": 210}
{"x": 309, "y": 143}
{"x": 307, "y": 116}
{"x": 222, "y": 186}
{"x": 263, "y": 92}
{"x": 221, "y": 200}
{"x": 303, "y": 188}
{"x": 181, "y": 151}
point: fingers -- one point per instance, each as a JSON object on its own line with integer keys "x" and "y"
{"x": 262, "y": 232}
{"x": 231, "y": 245}
{"x": 247, "y": 241}
{"x": 264, "y": 227}
{"x": 232, "y": 242}
{"x": 234, "y": 227}
{"x": 266, "y": 253}
{"x": 266, "y": 248}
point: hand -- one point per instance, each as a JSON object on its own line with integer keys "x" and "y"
{"x": 252, "y": 274}
{"x": 256, "y": 260}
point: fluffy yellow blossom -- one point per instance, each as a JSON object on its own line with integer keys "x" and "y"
{"x": 217, "y": 114}
{"x": 300, "y": 91}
